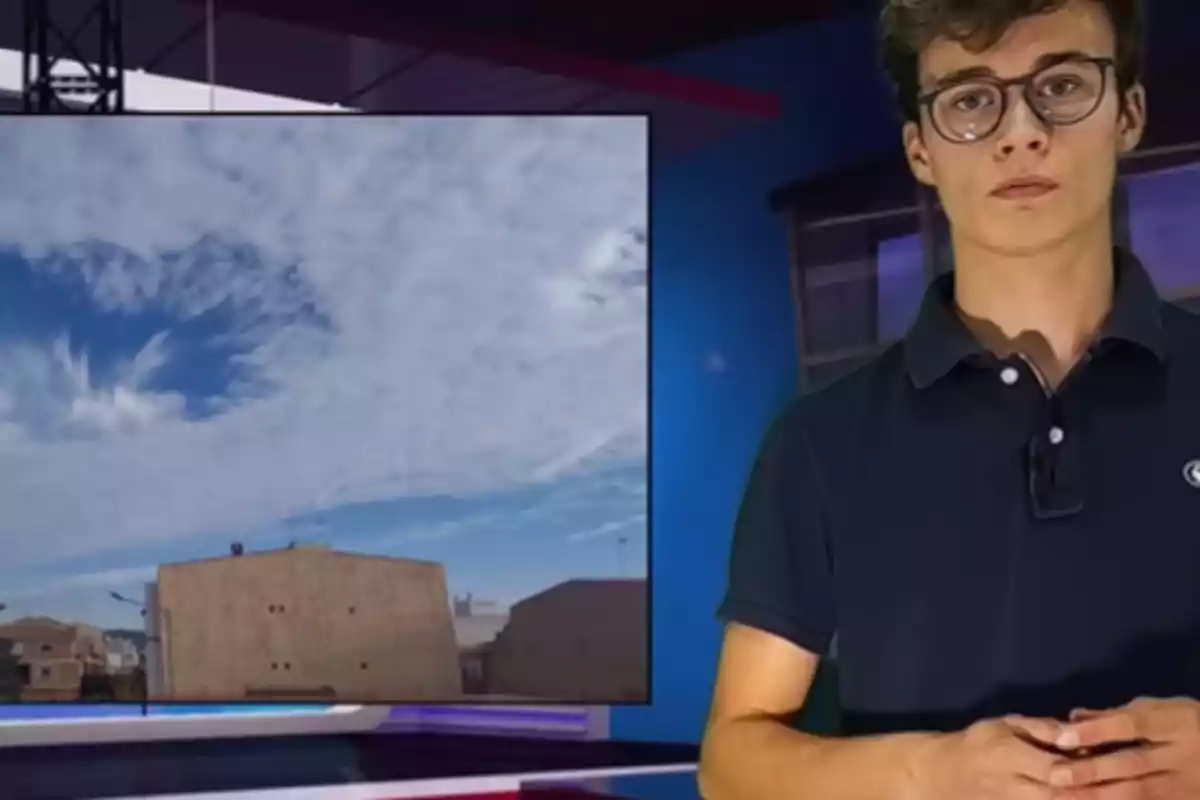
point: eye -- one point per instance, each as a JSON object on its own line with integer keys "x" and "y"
{"x": 971, "y": 100}
{"x": 1060, "y": 86}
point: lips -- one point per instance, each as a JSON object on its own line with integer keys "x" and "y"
{"x": 1024, "y": 188}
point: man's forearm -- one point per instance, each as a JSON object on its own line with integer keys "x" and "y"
{"x": 753, "y": 759}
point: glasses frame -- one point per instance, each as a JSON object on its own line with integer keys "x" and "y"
{"x": 926, "y": 100}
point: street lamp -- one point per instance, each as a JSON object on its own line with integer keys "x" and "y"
{"x": 120, "y": 598}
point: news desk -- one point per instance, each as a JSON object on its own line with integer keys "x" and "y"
{"x": 369, "y": 766}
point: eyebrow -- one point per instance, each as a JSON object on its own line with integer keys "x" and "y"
{"x": 974, "y": 73}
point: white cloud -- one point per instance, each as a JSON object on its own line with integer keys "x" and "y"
{"x": 50, "y": 392}
{"x": 487, "y": 315}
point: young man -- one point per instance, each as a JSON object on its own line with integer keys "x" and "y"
{"x": 997, "y": 517}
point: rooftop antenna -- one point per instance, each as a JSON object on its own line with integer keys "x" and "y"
{"x": 621, "y": 542}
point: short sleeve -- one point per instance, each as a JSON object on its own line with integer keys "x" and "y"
{"x": 780, "y": 564}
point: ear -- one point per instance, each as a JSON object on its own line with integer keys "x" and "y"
{"x": 917, "y": 153}
{"x": 1132, "y": 122}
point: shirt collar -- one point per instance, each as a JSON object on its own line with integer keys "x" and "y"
{"x": 939, "y": 340}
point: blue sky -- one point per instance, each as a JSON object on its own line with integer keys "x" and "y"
{"x": 414, "y": 337}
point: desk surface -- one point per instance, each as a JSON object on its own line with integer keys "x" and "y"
{"x": 631, "y": 784}
{"x": 363, "y": 766}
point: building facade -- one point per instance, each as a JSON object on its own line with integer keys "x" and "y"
{"x": 304, "y": 623}
{"x": 579, "y": 641}
{"x": 53, "y": 657}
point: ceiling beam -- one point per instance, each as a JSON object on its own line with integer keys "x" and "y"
{"x": 389, "y": 26}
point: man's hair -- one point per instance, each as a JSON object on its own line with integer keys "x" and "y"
{"x": 907, "y": 27}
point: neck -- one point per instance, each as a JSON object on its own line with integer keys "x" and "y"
{"x": 1046, "y": 307}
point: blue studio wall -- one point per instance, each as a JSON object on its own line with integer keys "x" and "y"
{"x": 724, "y": 358}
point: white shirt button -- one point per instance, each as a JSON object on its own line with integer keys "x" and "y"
{"x": 1009, "y": 375}
{"x": 1056, "y": 435}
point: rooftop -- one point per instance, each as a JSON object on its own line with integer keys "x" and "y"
{"x": 309, "y": 549}
{"x": 598, "y": 585}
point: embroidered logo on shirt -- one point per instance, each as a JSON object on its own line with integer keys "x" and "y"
{"x": 1191, "y": 473}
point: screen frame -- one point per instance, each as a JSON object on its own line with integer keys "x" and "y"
{"x": 157, "y": 727}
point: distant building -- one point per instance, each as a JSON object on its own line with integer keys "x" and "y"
{"x": 11, "y": 685}
{"x": 302, "y": 623}
{"x": 477, "y": 622}
{"x": 122, "y": 654}
{"x": 470, "y": 606}
{"x": 52, "y": 656}
{"x": 579, "y": 641}
{"x": 476, "y": 625}
{"x": 474, "y": 661}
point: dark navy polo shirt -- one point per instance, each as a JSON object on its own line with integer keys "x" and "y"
{"x": 981, "y": 547}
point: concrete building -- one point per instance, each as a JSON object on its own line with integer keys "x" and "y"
{"x": 52, "y": 656}
{"x": 303, "y": 623}
{"x": 579, "y": 641}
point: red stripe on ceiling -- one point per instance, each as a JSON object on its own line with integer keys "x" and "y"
{"x": 495, "y": 796}
{"x": 371, "y": 23}
{"x": 527, "y": 794}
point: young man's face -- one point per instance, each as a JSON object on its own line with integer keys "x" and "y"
{"x": 1064, "y": 173}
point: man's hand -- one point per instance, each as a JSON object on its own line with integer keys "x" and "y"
{"x": 1163, "y": 764}
{"x": 991, "y": 760}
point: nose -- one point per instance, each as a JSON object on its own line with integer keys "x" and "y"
{"x": 1022, "y": 130}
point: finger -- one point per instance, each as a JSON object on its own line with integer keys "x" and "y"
{"x": 1117, "y": 726}
{"x": 1123, "y": 765}
{"x": 1085, "y": 713}
{"x": 1028, "y": 760}
{"x": 1151, "y": 786}
{"x": 1046, "y": 731}
{"x": 1025, "y": 789}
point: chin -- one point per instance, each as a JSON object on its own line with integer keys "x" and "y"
{"x": 1027, "y": 238}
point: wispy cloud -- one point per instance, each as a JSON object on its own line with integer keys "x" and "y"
{"x": 442, "y": 530}
{"x": 101, "y": 581}
{"x": 611, "y": 528}
{"x": 417, "y": 306}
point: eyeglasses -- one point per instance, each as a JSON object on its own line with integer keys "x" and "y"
{"x": 1061, "y": 94}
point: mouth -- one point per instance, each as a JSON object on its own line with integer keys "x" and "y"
{"x": 1024, "y": 188}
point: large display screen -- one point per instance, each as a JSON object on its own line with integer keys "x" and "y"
{"x": 323, "y": 411}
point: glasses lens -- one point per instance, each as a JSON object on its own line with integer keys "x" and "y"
{"x": 1066, "y": 93}
{"x": 968, "y": 111}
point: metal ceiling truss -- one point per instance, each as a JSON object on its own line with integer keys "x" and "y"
{"x": 72, "y": 68}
